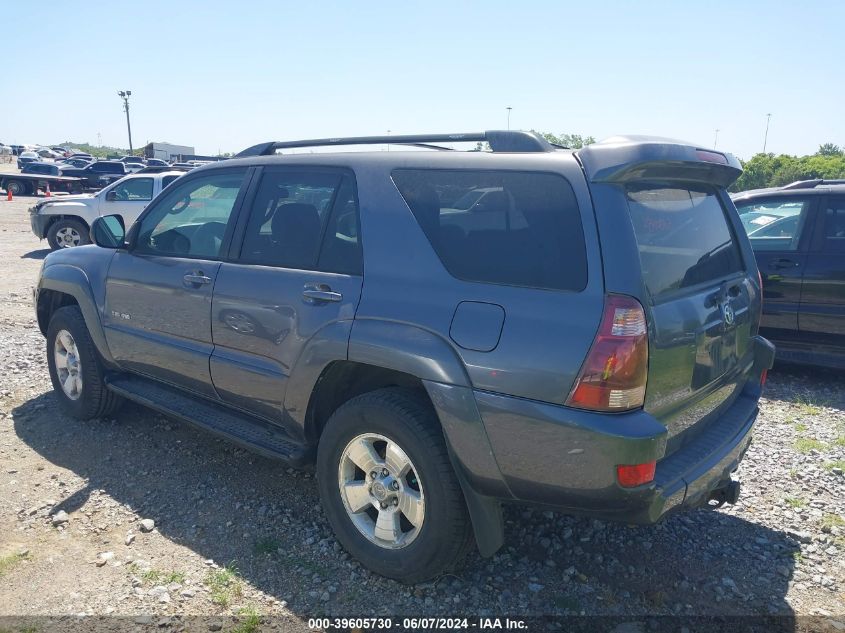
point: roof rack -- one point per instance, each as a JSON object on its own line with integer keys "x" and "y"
{"x": 810, "y": 184}
{"x": 499, "y": 141}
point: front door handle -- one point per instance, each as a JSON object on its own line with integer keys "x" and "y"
{"x": 196, "y": 278}
{"x": 783, "y": 263}
{"x": 314, "y": 293}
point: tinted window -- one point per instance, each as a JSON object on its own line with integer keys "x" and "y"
{"x": 683, "y": 236}
{"x": 134, "y": 189}
{"x": 514, "y": 228}
{"x": 834, "y": 226}
{"x": 341, "y": 249}
{"x": 287, "y": 219}
{"x": 190, "y": 218}
{"x": 773, "y": 225}
{"x": 167, "y": 180}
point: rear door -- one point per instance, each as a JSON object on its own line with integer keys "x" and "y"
{"x": 776, "y": 228}
{"x": 704, "y": 303}
{"x": 296, "y": 276}
{"x": 157, "y": 313}
{"x": 822, "y": 317}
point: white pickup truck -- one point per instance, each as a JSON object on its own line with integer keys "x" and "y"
{"x": 65, "y": 220}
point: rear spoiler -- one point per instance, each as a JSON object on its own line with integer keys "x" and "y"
{"x": 623, "y": 159}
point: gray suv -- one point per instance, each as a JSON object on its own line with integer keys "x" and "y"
{"x": 435, "y": 332}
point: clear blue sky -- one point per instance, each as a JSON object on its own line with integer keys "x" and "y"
{"x": 224, "y": 75}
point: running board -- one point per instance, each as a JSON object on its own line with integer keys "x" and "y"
{"x": 249, "y": 432}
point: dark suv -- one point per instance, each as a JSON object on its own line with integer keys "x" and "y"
{"x": 798, "y": 236}
{"x": 436, "y": 332}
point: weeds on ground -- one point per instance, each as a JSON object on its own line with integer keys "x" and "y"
{"x": 266, "y": 545}
{"x": 225, "y": 585}
{"x": 10, "y": 561}
{"x": 807, "y": 444}
{"x": 251, "y": 620}
{"x": 832, "y": 520}
{"x": 794, "y": 502}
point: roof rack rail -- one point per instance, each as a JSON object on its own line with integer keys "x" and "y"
{"x": 499, "y": 140}
{"x": 815, "y": 182}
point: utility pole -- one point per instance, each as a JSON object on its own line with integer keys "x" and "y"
{"x": 716, "y": 140}
{"x": 508, "y": 108}
{"x": 766, "y": 135}
{"x": 125, "y": 94}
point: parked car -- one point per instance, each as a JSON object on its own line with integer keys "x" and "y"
{"x": 798, "y": 236}
{"x": 82, "y": 155}
{"x": 157, "y": 162}
{"x": 132, "y": 159}
{"x": 48, "y": 169}
{"x": 79, "y": 163}
{"x": 133, "y": 168}
{"x": 98, "y": 174}
{"x": 323, "y": 309}
{"x": 46, "y": 152}
{"x": 65, "y": 222}
{"x": 27, "y": 157}
{"x": 64, "y": 151}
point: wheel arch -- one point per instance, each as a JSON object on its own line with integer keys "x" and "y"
{"x": 62, "y": 285}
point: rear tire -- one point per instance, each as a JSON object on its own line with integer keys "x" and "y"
{"x": 76, "y": 371}
{"x": 16, "y": 187}
{"x": 402, "y": 424}
{"x": 67, "y": 233}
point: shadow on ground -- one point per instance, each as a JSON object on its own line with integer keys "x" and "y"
{"x": 229, "y": 505}
{"x": 39, "y": 254}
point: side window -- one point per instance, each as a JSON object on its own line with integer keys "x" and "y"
{"x": 773, "y": 225}
{"x": 834, "y": 226}
{"x": 167, "y": 180}
{"x": 190, "y": 218}
{"x": 287, "y": 219}
{"x": 135, "y": 189}
{"x": 341, "y": 249}
{"x": 500, "y": 227}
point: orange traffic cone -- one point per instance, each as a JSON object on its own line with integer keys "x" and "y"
{"x": 48, "y": 194}
{"x": 9, "y": 195}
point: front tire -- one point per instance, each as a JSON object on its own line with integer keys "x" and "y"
{"x": 388, "y": 488}
{"x": 76, "y": 371}
{"x": 67, "y": 233}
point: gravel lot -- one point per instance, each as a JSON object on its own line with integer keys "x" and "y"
{"x": 233, "y": 534}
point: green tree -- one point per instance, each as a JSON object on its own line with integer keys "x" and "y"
{"x": 829, "y": 149}
{"x": 572, "y": 141}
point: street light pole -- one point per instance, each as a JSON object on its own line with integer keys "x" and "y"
{"x": 766, "y": 136}
{"x": 716, "y": 139}
{"x": 508, "y": 108}
{"x": 125, "y": 94}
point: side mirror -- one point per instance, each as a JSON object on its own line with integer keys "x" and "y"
{"x": 111, "y": 196}
{"x": 109, "y": 232}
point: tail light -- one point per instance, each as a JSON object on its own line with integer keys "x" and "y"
{"x": 636, "y": 474}
{"x": 613, "y": 378}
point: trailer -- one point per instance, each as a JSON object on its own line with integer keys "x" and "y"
{"x": 29, "y": 184}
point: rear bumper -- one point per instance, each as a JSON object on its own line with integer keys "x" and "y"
{"x": 567, "y": 458}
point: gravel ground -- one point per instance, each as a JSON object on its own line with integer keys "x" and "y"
{"x": 141, "y": 516}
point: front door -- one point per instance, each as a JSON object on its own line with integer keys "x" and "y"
{"x": 127, "y": 198}
{"x": 296, "y": 276}
{"x": 822, "y": 318}
{"x": 776, "y": 230}
{"x": 158, "y": 293}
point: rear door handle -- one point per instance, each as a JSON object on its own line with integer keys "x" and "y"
{"x": 783, "y": 263}
{"x": 196, "y": 278}
{"x": 314, "y": 293}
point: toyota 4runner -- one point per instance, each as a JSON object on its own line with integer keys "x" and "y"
{"x": 435, "y": 332}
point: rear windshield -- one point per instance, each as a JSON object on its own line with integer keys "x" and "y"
{"x": 683, "y": 237}
{"x": 500, "y": 227}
